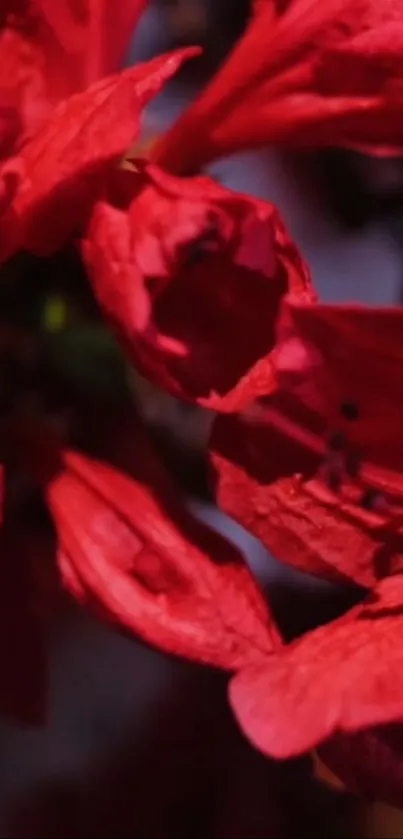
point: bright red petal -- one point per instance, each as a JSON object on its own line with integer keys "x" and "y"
{"x": 84, "y": 40}
{"x": 131, "y": 551}
{"x": 305, "y": 74}
{"x": 62, "y": 168}
{"x": 51, "y": 50}
{"x": 22, "y": 84}
{"x": 317, "y": 473}
{"x": 192, "y": 276}
{"x": 345, "y": 676}
{"x": 370, "y": 763}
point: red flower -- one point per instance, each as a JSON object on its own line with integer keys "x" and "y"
{"x": 192, "y": 276}
{"x": 130, "y": 550}
{"x": 370, "y": 762}
{"x": 317, "y": 473}
{"x": 61, "y": 170}
{"x": 346, "y": 676}
{"x": 51, "y": 50}
{"x": 306, "y": 73}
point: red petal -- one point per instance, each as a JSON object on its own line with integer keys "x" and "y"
{"x": 345, "y": 676}
{"x": 130, "y": 550}
{"x": 264, "y": 475}
{"x": 50, "y": 51}
{"x": 85, "y": 40}
{"x": 305, "y": 73}
{"x": 10, "y": 127}
{"x": 350, "y": 353}
{"x": 22, "y": 82}
{"x": 192, "y": 275}
{"x": 63, "y": 166}
{"x": 276, "y": 470}
{"x": 370, "y": 763}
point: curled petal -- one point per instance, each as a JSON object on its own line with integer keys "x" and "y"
{"x": 304, "y": 74}
{"x": 63, "y": 166}
{"x": 345, "y": 676}
{"x": 191, "y": 275}
{"x": 129, "y": 550}
{"x": 316, "y": 473}
{"x": 50, "y": 51}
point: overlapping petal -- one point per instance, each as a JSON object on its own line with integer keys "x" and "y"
{"x": 304, "y": 74}
{"x": 192, "y": 275}
{"x": 131, "y": 551}
{"x": 346, "y": 676}
{"x": 62, "y": 167}
{"x": 51, "y": 50}
{"x": 316, "y": 473}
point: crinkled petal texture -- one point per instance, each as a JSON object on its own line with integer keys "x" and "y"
{"x": 304, "y": 74}
{"x": 133, "y": 553}
{"x": 345, "y": 676}
{"x": 316, "y": 472}
{"x": 62, "y": 168}
{"x": 52, "y": 50}
{"x": 370, "y": 763}
{"x": 192, "y": 276}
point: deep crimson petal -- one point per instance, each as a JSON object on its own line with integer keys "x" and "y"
{"x": 321, "y": 488}
{"x": 304, "y": 74}
{"x": 63, "y": 166}
{"x": 345, "y": 676}
{"x": 129, "y": 550}
{"x": 370, "y": 763}
{"x": 192, "y": 276}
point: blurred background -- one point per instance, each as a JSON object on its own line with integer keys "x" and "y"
{"x": 137, "y": 744}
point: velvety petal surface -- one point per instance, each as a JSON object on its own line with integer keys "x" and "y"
{"x": 130, "y": 550}
{"x": 304, "y": 74}
{"x": 345, "y": 676}
{"x": 191, "y": 275}
{"x": 63, "y": 166}
{"x": 316, "y": 472}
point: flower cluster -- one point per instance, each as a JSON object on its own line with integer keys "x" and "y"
{"x": 212, "y": 302}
